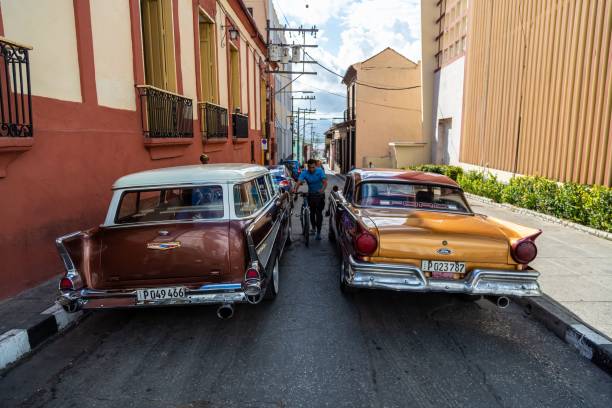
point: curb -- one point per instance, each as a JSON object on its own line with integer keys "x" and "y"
{"x": 17, "y": 343}
{"x": 590, "y": 343}
{"x": 545, "y": 217}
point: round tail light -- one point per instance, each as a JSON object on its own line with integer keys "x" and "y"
{"x": 252, "y": 273}
{"x": 66, "y": 284}
{"x": 284, "y": 183}
{"x": 524, "y": 252}
{"x": 366, "y": 244}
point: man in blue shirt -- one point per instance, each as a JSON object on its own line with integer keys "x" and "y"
{"x": 317, "y": 182}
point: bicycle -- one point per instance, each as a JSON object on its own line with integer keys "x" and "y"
{"x": 305, "y": 218}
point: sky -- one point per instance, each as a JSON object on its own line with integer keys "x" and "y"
{"x": 350, "y": 31}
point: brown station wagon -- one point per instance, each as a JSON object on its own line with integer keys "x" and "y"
{"x": 205, "y": 234}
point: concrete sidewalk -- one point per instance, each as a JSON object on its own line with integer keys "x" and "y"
{"x": 575, "y": 267}
{"x": 29, "y": 319}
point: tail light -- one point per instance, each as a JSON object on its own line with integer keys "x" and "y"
{"x": 251, "y": 273}
{"x": 525, "y": 250}
{"x": 284, "y": 183}
{"x": 66, "y": 284}
{"x": 252, "y": 281}
{"x": 366, "y": 243}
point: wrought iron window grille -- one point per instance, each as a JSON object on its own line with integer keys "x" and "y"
{"x": 165, "y": 114}
{"x": 240, "y": 125}
{"x": 15, "y": 91}
{"x": 214, "y": 121}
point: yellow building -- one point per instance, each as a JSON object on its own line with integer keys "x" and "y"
{"x": 520, "y": 87}
{"x": 382, "y": 126}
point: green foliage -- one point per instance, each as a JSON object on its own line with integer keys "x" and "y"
{"x": 450, "y": 171}
{"x": 482, "y": 184}
{"x": 580, "y": 203}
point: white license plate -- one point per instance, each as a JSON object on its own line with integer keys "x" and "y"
{"x": 443, "y": 266}
{"x": 148, "y": 295}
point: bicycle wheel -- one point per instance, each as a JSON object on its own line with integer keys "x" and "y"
{"x": 306, "y": 226}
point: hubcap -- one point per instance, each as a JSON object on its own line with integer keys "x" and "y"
{"x": 275, "y": 277}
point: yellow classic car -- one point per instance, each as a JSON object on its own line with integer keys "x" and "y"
{"x": 415, "y": 231}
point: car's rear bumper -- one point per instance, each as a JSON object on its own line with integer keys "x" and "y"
{"x": 96, "y": 299}
{"x": 412, "y": 279}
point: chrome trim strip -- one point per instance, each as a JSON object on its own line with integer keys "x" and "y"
{"x": 96, "y": 299}
{"x": 412, "y": 279}
{"x": 63, "y": 252}
{"x": 264, "y": 249}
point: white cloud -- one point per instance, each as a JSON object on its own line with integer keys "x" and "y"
{"x": 318, "y": 12}
{"x": 352, "y": 31}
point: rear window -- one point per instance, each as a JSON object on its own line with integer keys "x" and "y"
{"x": 172, "y": 204}
{"x": 405, "y": 195}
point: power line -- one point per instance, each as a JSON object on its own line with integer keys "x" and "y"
{"x": 292, "y": 80}
{"x": 360, "y": 100}
{"x": 361, "y": 83}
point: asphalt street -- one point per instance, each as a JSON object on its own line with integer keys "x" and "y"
{"x": 311, "y": 347}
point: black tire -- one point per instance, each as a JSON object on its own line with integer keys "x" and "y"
{"x": 330, "y": 233}
{"x": 306, "y": 228}
{"x": 468, "y": 298}
{"x": 272, "y": 288}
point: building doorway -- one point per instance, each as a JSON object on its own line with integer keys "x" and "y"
{"x": 444, "y": 133}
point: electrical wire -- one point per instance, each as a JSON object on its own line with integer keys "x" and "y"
{"x": 292, "y": 80}
{"x": 360, "y": 100}
{"x": 361, "y": 83}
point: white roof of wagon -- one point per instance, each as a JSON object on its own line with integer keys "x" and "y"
{"x": 196, "y": 174}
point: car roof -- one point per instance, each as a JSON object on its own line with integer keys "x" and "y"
{"x": 402, "y": 175}
{"x": 195, "y": 174}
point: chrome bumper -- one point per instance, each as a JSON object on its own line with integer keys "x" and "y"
{"x": 96, "y": 299}
{"x": 412, "y": 279}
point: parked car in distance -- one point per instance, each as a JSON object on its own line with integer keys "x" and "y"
{"x": 204, "y": 234}
{"x": 281, "y": 176}
{"x": 294, "y": 167}
{"x": 415, "y": 231}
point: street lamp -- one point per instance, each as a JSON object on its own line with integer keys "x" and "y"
{"x": 233, "y": 33}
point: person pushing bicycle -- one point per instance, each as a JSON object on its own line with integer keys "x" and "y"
{"x": 317, "y": 182}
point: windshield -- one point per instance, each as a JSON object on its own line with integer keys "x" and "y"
{"x": 408, "y": 195}
{"x": 190, "y": 203}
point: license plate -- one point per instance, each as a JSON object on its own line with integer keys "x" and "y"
{"x": 443, "y": 267}
{"x": 148, "y": 295}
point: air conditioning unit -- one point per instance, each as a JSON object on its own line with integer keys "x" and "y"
{"x": 296, "y": 54}
{"x": 274, "y": 52}
{"x": 285, "y": 55}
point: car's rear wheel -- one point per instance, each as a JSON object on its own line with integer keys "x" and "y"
{"x": 272, "y": 289}
{"x": 468, "y": 298}
{"x": 330, "y": 232}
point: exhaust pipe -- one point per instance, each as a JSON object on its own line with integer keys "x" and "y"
{"x": 500, "y": 301}
{"x": 225, "y": 311}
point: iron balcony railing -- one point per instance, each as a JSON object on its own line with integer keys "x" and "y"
{"x": 15, "y": 92}
{"x": 240, "y": 125}
{"x": 165, "y": 114}
{"x": 214, "y": 121}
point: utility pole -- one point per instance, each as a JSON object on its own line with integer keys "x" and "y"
{"x": 282, "y": 53}
{"x": 300, "y": 146}
{"x": 305, "y": 112}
